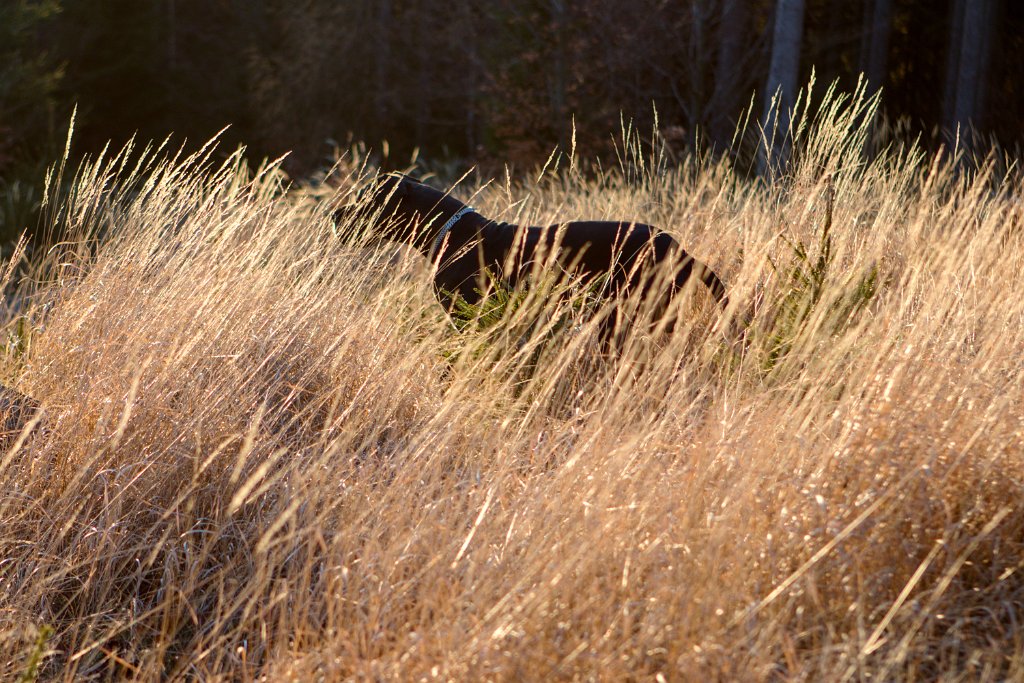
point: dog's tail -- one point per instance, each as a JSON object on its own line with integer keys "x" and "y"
{"x": 715, "y": 284}
{"x": 707, "y": 276}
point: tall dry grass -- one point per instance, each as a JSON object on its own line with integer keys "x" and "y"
{"x": 260, "y": 456}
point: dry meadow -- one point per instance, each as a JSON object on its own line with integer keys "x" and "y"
{"x": 264, "y": 453}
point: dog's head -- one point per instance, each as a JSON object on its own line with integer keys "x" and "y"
{"x": 400, "y": 196}
{"x": 380, "y": 196}
{"x": 391, "y": 195}
{"x": 396, "y": 204}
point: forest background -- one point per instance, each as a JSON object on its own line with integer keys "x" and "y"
{"x": 484, "y": 83}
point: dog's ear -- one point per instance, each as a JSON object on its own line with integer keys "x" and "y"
{"x": 377, "y": 191}
{"x": 384, "y": 194}
{"x": 394, "y": 185}
{"x": 398, "y": 185}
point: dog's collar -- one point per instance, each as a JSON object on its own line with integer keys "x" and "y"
{"x": 449, "y": 224}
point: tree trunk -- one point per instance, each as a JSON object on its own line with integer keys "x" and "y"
{"x": 977, "y": 37}
{"x": 697, "y": 96}
{"x": 724, "y": 99}
{"x": 967, "y": 66}
{"x": 988, "y": 39}
{"x": 875, "y": 43}
{"x": 952, "y": 66}
{"x": 783, "y": 75}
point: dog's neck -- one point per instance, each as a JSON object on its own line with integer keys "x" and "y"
{"x": 430, "y": 227}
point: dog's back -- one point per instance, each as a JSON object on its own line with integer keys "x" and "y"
{"x": 466, "y": 246}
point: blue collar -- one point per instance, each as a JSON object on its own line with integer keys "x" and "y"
{"x": 449, "y": 224}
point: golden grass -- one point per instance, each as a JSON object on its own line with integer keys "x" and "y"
{"x": 253, "y": 462}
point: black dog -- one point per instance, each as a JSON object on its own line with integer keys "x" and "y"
{"x": 464, "y": 246}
